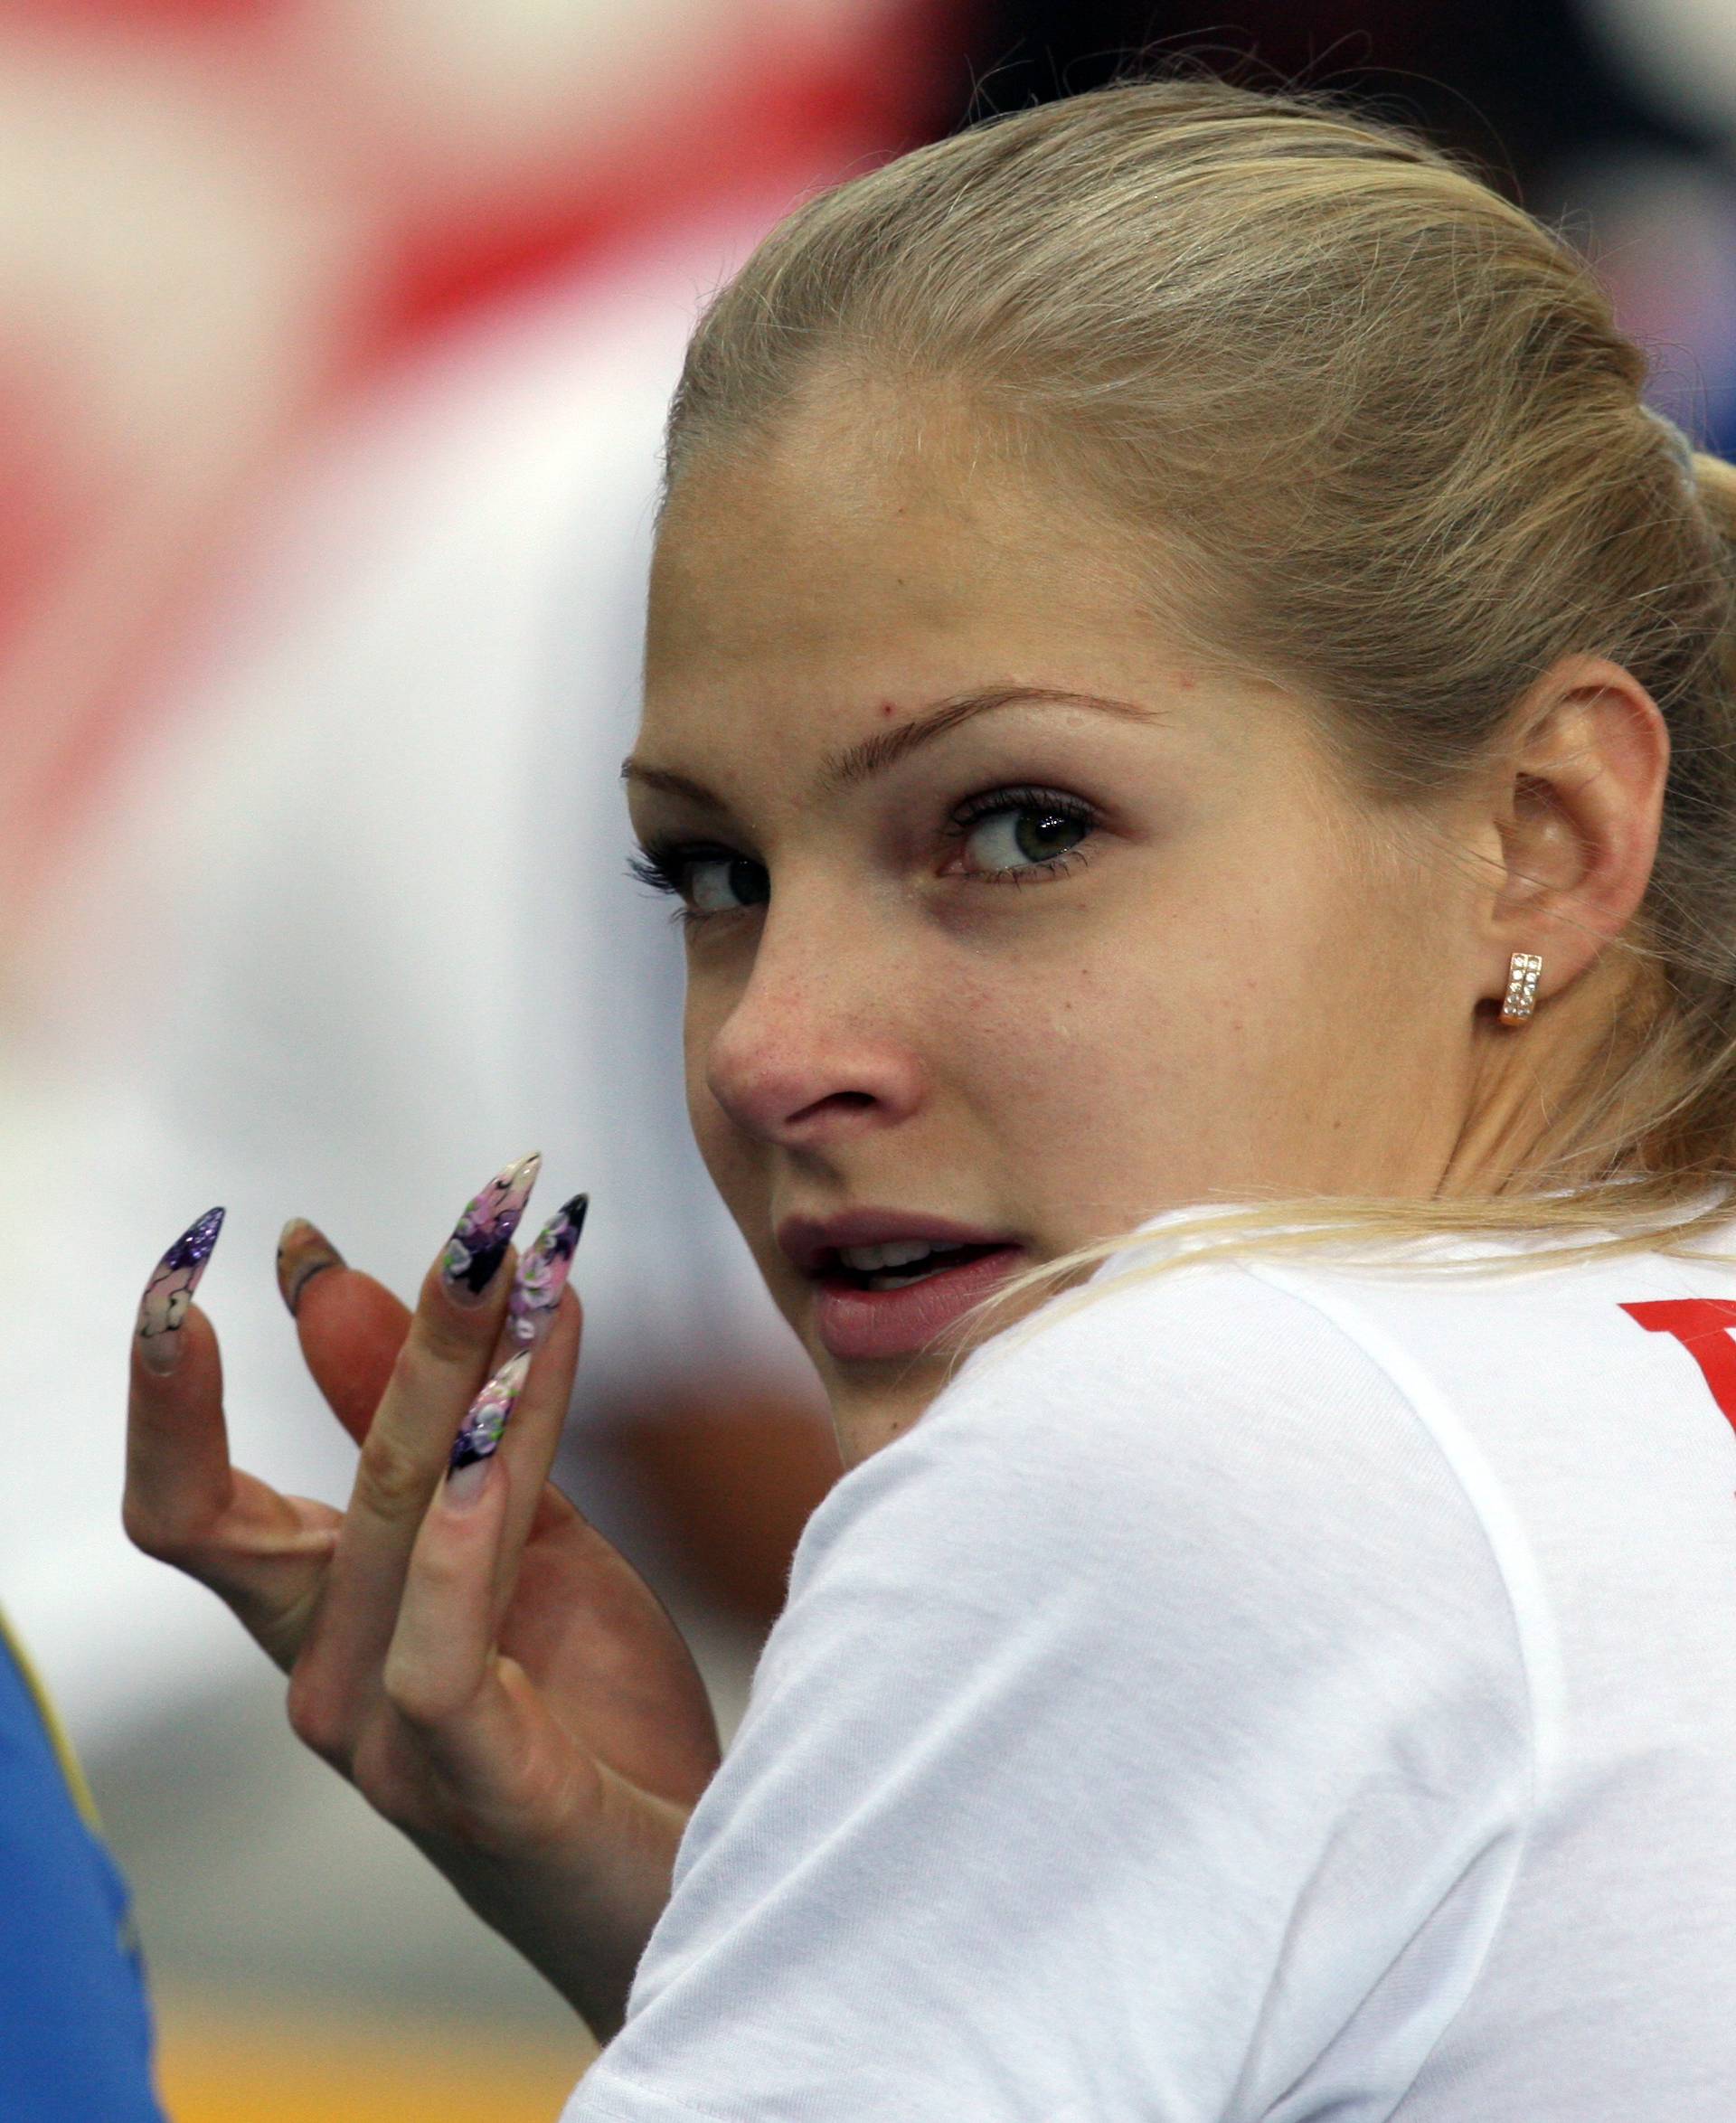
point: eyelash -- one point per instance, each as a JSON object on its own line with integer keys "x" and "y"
{"x": 663, "y": 864}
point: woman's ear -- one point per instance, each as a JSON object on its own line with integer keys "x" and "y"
{"x": 1578, "y": 799}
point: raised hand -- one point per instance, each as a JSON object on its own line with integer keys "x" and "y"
{"x": 492, "y": 1674}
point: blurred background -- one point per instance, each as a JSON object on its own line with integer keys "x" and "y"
{"x": 334, "y": 340}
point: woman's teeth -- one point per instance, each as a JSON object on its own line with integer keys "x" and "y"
{"x": 872, "y": 1262}
{"x": 894, "y": 1253}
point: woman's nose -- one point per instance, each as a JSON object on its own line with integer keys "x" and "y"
{"x": 814, "y": 1045}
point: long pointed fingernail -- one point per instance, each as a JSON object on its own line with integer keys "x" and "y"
{"x": 542, "y": 1273}
{"x": 169, "y": 1293}
{"x": 478, "y": 1243}
{"x": 479, "y": 1433}
{"x": 303, "y": 1250}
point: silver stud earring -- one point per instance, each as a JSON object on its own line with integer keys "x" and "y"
{"x": 1522, "y": 987}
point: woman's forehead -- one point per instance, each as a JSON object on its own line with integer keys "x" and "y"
{"x": 803, "y": 556}
{"x": 864, "y": 466}
{"x": 838, "y": 575}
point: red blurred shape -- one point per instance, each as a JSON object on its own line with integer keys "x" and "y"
{"x": 146, "y": 14}
{"x": 46, "y": 513}
{"x": 780, "y": 110}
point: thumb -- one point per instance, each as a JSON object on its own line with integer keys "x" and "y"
{"x": 350, "y": 1326}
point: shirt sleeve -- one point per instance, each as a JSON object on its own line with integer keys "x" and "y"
{"x": 1146, "y": 1736}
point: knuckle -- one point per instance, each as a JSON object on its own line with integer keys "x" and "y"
{"x": 421, "y": 1697}
{"x": 391, "y": 1480}
{"x": 454, "y": 1339}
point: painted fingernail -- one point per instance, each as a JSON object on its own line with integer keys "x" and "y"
{"x": 478, "y": 1244}
{"x": 465, "y": 1483}
{"x": 542, "y": 1273}
{"x": 170, "y": 1290}
{"x": 479, "y": 1432}
{"x": 303, "y": 1250}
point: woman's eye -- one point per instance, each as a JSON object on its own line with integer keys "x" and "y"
{"x": 723, "y": 883}
{"x": 1018, "y": 832}
{"x": 707, "y": 880}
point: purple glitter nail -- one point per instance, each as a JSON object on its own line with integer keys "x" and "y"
{"x": 176, "y": 1277}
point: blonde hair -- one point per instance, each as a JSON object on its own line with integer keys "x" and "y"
{"x": 1381, "y": 426}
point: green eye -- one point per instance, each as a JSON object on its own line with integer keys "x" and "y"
{"x": 1025, "y": 836}
{"x": 1023, "y": 832}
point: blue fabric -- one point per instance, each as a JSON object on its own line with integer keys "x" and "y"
{"x": 75, "y": 2026}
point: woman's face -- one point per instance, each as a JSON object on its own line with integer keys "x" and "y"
{"x": 1006, "y": 917}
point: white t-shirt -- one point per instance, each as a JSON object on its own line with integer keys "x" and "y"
{"x": 1278, "y": 1691}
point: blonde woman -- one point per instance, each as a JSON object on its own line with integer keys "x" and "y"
{"x": 1189, "y": 716}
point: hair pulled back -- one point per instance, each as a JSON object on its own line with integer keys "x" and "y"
{"x": 1380, "y": 427}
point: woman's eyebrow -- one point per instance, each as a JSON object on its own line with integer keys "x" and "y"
{"x": 857, "y": 763}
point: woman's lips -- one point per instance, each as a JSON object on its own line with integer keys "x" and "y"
{"x": 855, "y": 1324}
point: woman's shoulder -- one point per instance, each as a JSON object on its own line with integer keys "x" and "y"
{"x": 1214, "y": 1342}
{"x": 1205, "y": 1454}
{"x": 1383, "y": 1344}
{"x": 1212, "y": 1400}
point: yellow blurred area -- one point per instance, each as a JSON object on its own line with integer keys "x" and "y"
{"x": 218, "y": 2062}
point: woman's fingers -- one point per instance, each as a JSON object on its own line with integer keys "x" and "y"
{"x": 350, "y": 1326}
{"x": 439, "y": 1666}
{"x": 543, "y": 1313}
{"x": 532, "y": 1435}
{"x": 323, "y": 1593}
{"x": 478, "y": 1724}
{"x": 439, "y": 1369}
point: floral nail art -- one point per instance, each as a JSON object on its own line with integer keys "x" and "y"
{"x": 170, "y": 1290}
{"x": 479, "y": 1433}
{"x": 478, "y": 1243}
{"x": 542, "y": 1273}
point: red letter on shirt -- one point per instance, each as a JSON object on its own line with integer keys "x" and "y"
{"x": 1702, "y": 1326}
